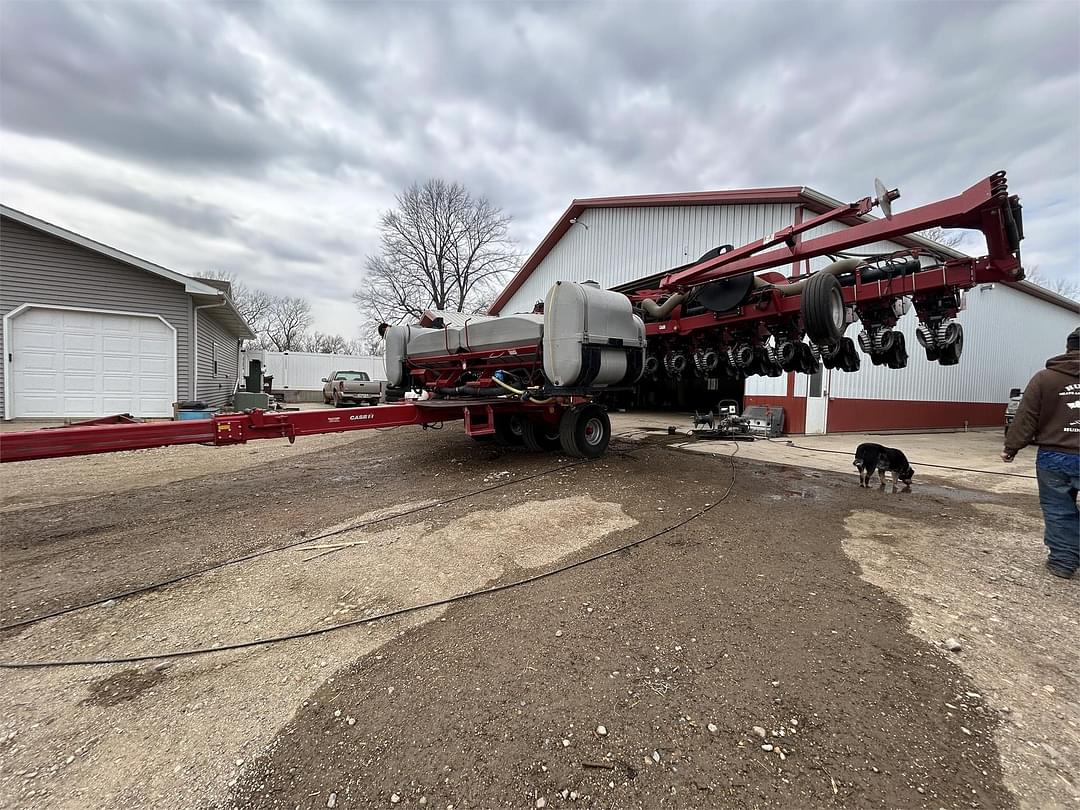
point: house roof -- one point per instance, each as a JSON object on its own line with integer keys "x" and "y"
{"x": 798, "y": 195}
{"x": 203, "y": 292}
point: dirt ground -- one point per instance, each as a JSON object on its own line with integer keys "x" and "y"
{"x": 801, "y": 608}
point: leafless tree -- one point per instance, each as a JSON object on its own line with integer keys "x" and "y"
{"x": 943, "y": 236}
{"x": 1068, "y": 287}
{"x": 287, "y": 323}
{"x": 321, "y": 343}
{"x": 252, "y": 304}
{"x": 440, "y": 248}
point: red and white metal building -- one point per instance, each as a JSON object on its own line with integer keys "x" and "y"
{"x": 1010, "y": 330}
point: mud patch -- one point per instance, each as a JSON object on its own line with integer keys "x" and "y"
{"x": 980, "y": 580}
{"x": 123, "y": 686}
{"x": 185, "y": 737}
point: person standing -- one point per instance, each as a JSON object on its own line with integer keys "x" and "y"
{"x": 1049, "y": 417}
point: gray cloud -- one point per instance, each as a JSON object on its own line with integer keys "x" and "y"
{"x": 274, "y": 133}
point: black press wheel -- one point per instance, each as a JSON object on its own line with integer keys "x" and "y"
{"x": 585, "y": 431}
{"x": 950, "y": 355}
{"x": 508, "y": 428}
{"x": 539, "y": 437}
{"x": 823, "y": 309}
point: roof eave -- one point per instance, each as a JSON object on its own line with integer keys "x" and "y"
{"x": 190, "y": 285}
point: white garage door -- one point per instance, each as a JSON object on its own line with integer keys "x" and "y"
{"x": 77, "y": 363}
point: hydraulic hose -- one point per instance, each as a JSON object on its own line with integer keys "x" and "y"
{"x": 467, "y": 391}
{"x": 837, "y": 268}
{"x": 661, "y": 311}
{"x": 495, "y": 379}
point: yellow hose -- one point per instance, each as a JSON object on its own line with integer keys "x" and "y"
{"x": 509, "y": 388}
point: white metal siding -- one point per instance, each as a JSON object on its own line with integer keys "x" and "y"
{"x": 303, "y": 371}
{"x": 623, "y": 244}
{"x": 1008, "y": 335}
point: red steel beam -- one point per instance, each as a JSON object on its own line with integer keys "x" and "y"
{"x": 225, "y": 429}
{"x": 962, "y": 273}
{"x": 978, "y": 208}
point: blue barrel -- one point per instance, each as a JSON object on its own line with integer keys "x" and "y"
{"x": 183, "y": 415}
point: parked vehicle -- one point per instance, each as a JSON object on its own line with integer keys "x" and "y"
{"x": 351, "y": 387}
{"x": 1014, "y": 402}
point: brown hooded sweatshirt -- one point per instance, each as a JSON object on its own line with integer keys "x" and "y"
{"x": 1049, "y": 413}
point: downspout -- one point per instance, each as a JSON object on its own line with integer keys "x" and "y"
{"x": 195, "y": 346}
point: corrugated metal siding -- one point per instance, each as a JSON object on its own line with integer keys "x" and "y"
{"x": 303, "y": 371}
{"x": 215, "y": 387}
{"x": 771, "y": 386}
{"x": 41, "y": 269}
{"x": 1008, "y": 335}
{"x": 622, "y": 244}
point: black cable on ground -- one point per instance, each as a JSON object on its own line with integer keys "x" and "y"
{"x": 240, "y": 645}
{"x": 263, "y": 552}
{"x": 920, "y": 463}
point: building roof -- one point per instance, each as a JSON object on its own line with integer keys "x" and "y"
{"x": 798, "y": 195}
{"x": 202, "y": 291}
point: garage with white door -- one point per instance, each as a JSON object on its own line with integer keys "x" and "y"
{"x": 67, "y": 362}
{"x": 90, "y": 331}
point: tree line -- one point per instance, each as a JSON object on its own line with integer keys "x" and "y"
{"x": 282, "y": 323}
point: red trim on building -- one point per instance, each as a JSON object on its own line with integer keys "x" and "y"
{"x": 855, "y": 415}
{"x": 794, "y": 410}
{"x": 870, "y": 415}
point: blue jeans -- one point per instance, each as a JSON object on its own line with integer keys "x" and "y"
{"x": 1059, "y": 480}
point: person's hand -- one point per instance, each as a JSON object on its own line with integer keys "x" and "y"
{"x": 1007, "y": 457}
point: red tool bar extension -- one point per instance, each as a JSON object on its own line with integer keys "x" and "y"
{"x": 978, "y": 208}
{"x": 235, "y": 428}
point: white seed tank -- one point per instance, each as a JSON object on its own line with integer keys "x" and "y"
{"x": 591, "y": 337}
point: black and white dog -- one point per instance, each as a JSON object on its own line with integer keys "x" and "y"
{"x": 873, "y": 457}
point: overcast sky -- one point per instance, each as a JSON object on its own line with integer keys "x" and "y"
{"x": 265, "y": 139}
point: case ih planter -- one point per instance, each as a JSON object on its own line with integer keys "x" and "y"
{"x": 531, "y": 379}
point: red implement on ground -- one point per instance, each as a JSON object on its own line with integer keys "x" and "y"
{"x": 726, "y": 315}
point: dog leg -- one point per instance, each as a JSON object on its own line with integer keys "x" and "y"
{"x": 881, "y": 478}
{"x": 894, "y": 480}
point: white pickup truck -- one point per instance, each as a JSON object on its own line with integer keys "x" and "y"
{"x": 351, "y": 387}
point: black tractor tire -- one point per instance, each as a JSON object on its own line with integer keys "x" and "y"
{"x": 823, "y": 309}
{"x": 539, "y": 437}
{"x": 509, "y": 428}
{"x": 585, "y": 431}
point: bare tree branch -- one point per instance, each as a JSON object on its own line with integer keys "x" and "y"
{"x": 288, "y": 320}
{"x": 943, "y": 236}
{"x": 440, "y": 248}
{"x": 1068, "y": 287}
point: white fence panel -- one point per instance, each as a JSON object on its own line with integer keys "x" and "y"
{"x": 304, "y": 371}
